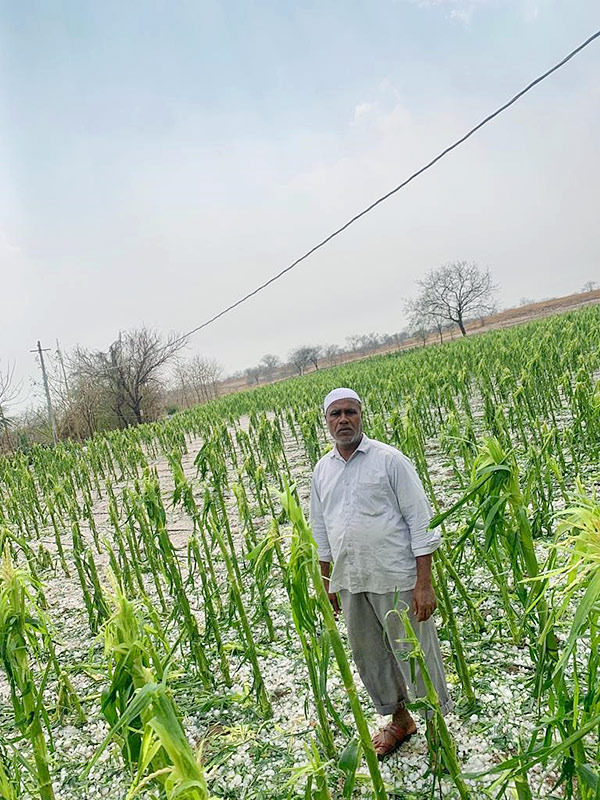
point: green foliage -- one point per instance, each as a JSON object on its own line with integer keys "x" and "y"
{"x": 499, "y": 426}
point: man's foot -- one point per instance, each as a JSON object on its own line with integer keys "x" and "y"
{"x": 389, "y": 738}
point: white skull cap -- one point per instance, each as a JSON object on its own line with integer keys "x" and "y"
{"x": 339, "y": 394}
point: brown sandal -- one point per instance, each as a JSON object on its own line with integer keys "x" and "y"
{"x": 390, "y": 739}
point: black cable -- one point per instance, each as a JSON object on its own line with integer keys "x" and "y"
{"x": 390, "y": 193}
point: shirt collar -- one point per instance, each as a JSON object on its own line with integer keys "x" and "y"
{"x": 364, "y": 444}
{"x": 363, "y": 447}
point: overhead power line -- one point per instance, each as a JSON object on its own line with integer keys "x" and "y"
{"x": 389, "y": 194}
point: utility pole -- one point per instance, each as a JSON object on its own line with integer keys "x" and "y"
{"x": 40, "y": 353}
{"x": 64, "y": 372}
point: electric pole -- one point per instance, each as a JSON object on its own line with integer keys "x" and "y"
{"x": 40, "y": 353}
{"x": 62, "y": 366}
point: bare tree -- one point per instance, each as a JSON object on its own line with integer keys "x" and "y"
{"x": 82, "y": 403}
{"x": 331, "y": 353}
{"x": 314, "y": 354}
{"x": 439, "y": 326}
{"x": 353, "y": 342}
{"x": 88, "y": 408}
{"x": 301, "y": 357}
{"x": 369, "y": 341}
{"x": 590, "y": 286}
{"x": 199, "y": 378}
{"x": 421, "y": 333}
{"x": 9, "y": 392}
{"x": 456, "y": 292}
{"x": 269, "y": 364}
{"x": 420, "y": 318}
{"x": 130, "y": 372}
{"x": 396, "y": 339}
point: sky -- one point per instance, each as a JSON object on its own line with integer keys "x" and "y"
{"x": 159, "y": 159}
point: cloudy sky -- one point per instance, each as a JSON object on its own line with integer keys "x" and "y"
{"x": 160, "y": 159}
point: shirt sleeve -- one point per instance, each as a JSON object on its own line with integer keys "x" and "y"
{"x": 414, "y": 506}
{"x": 317, "y": 523}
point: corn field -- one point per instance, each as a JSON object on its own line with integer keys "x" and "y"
{"x": 164, "y": 631}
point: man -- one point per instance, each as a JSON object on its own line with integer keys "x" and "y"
{"x": 369, "y": 516}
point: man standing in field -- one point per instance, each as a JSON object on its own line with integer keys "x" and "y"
{"x": 369, "y": 515}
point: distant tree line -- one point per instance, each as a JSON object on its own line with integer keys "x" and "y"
{"x": 449, "y": 298}
{"x": 142, "y": 375}
{"x": 313, "y": 357}
{"x": 138, "y": 378}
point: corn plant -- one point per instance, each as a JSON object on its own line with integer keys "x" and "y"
{"x": 212, "y": 520}
{"x": 157, "y": 516}
{"x": 315, "y": 648}
{"x": 304, "y": 567}
{"x": 492, "y": 421}
{"x": 578, "y": 537}
{"x": 314, "y": 773}
{"x": 141, "y": 712}
{"x": 10, "y": 777}
{"x": 20, "y": 629}
{"x": 437, "y": 729}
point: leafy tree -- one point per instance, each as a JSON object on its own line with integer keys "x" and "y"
{"x": 252, "y": 375}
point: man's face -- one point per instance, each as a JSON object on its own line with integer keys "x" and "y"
{"x": 344, "y": 421}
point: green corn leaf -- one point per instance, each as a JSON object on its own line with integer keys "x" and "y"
{"x": 485, "y": 474}
{"x": 592, "y": 593}
{"x": 588, "y": 776}
{"x": 137, "y": 705}
{"x": 348, "y": 763}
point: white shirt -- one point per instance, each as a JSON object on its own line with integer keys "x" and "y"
{"x": 369, "y": 515}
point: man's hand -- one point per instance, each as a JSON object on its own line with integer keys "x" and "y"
{"x": 335, "y": 603}
{"x": 333, "y": 598}
{"x": 424, "y": 602}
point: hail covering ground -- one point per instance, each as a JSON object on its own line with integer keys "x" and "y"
{"x": 244, "y": 756}
{"x": 265, "y": 757}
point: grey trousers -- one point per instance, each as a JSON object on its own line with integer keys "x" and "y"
{"x": 375, "y": 636}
